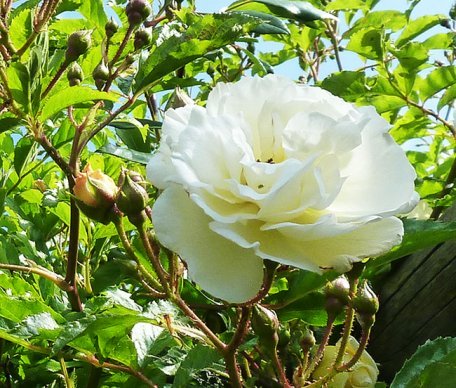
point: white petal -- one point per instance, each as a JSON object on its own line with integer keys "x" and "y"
{"x": 219, "y": 266}
{"x": 328, "y": 246}
{"x": 380, "y": 179}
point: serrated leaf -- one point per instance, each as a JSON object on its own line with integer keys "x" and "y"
{"x": 204, "y": 34}
{"x": 7, "y": 123}
{"x": 21, "y": 28}
{"x": 22, "y": 153}
{"x": 386, "y": 20}
{"x": 198, "y": 358}
{"x": 301, "y": 11}
{"x": 71, "y": 96}
{"x": 435, "y": 81}
{"x": 270, "y": 25}
{"x": 127, "y": 154}
{"x": 367, "y": 43}
{"x": 133, "y": 134}
{"x": 433, "y": 364}
{"x": 448, "y": 97}
{"x": 349, "y": 85}
{"x": 412, "y": 55}
{"x": 417, "y": 27}
{"x": 419, "y": 234}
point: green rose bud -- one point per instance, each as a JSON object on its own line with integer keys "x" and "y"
{"x": 100, "y": 75}
{"x": 366, "y": 305}
{"x": 95, "y": 194}
{"x": 111, "y": 28}
{"x": 75, "y": 74}
{"x": 142, "y": 38}
{"x": 137, "y": 11}
{"x": 266, "y": 326}
{"x": 78, "y": 43}
{"x": 132, "y": 198}
{"x": 337, "y": 295}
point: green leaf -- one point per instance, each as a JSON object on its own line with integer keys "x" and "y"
{"x": 7, "y": 123}
{"x": 21, "y": 28}
{"x": 448, "y": 97}
{"x": 22, "y": 153}
{"x": 436, "y": 81}
{"x": 270, "y": 24}
{"x": 94, "y": 12}
{"x": 133, "y": 134}
{"x": 433, "y": 364}
{"x": 204, "y": 34}
{"x": 71, "y": 96}
{"x": 417, "y": 27}
{"x": 412, "y": 55}
{"x": 419, "y": 234}
{"x": 367, "y": 43}
{"x": 338, "y": 5}
{"x": 349, "y": 85}
{"x": 127, "y": 154}
{"x": 385, "y": 20}
{"x": 301, "y": 11}
{"x": 198, "y": 358}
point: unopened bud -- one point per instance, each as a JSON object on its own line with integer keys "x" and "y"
{"x": 366, "y": 305}
{"x": 75, "y": 74}
{"x": 337, "y": 295}
{"x": 132, "y": 198}
{"x": 95, "y": 194}
{"x": 142, "y": 38}
{"x": 100, "y": 75}
{"x": 266, "y": 326}
{"x": 137, "y": 11}
{"x": 307, "y": 340}
{"x": 111, "y": 28}
{"x": 180, "y": 99}
{"x": 77, "y": 44}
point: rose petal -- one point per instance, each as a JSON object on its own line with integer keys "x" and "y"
{"x": 379, "y": 178}
{"x": 222, "y": 268}
{"x": 316, "y": 246}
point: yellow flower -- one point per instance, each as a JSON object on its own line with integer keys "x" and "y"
{"x": 362, "y": 375}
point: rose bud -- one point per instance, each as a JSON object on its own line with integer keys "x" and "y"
{"x": 75, "y": 74}
{"x": 100, "y": 75}
{"x": 95, "y": 194}
{"x": 111, "y": 28}
{"x": 132, "y": 197}
{"x": 266, "y": 326}
{"x": 142, "y": 38}
{"x": 366, "y": 306}
{"x": 137, "y": 11}
{"x": 337, "y": 295}
{"x": 78, "y": 43}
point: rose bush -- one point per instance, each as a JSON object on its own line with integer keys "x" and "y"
{"x": 275, "y": 170}
{"x": 362, "y": 375}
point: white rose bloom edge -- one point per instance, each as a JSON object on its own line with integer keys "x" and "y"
{"x": 275, "y": 170}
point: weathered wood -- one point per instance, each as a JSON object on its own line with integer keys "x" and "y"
{"x": 418, "y": 302}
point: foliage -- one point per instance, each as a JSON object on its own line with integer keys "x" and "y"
{"x": 81, "y": 303}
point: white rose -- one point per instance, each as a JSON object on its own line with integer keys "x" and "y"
{"x": 362, "y": 375}
{"x": 275, "y": 170}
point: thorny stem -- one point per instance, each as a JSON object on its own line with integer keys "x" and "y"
{"x": 321, "y": 348}
{"x": 229, "y": 353}
{"x": 155, "y": 260}
{"x": 280, "y": 371}
{"x": 333, "y": 37}
{"x": 268, "y": 279}
{"x": 121, "y": 47}
{"x": 362, "y": 346}
{"x": 58, "y": 280}
{"x": 54, "y": 80}
{"x": 131, "y": 253}
{"x": 348, "y": 324}
{"x": 72, "y": 264}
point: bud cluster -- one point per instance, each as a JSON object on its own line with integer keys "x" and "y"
{"x": 364, "y": 302}
{"x": 99, "y": 198}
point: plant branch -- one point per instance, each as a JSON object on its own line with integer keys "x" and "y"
{"x": 58, "y": 280}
